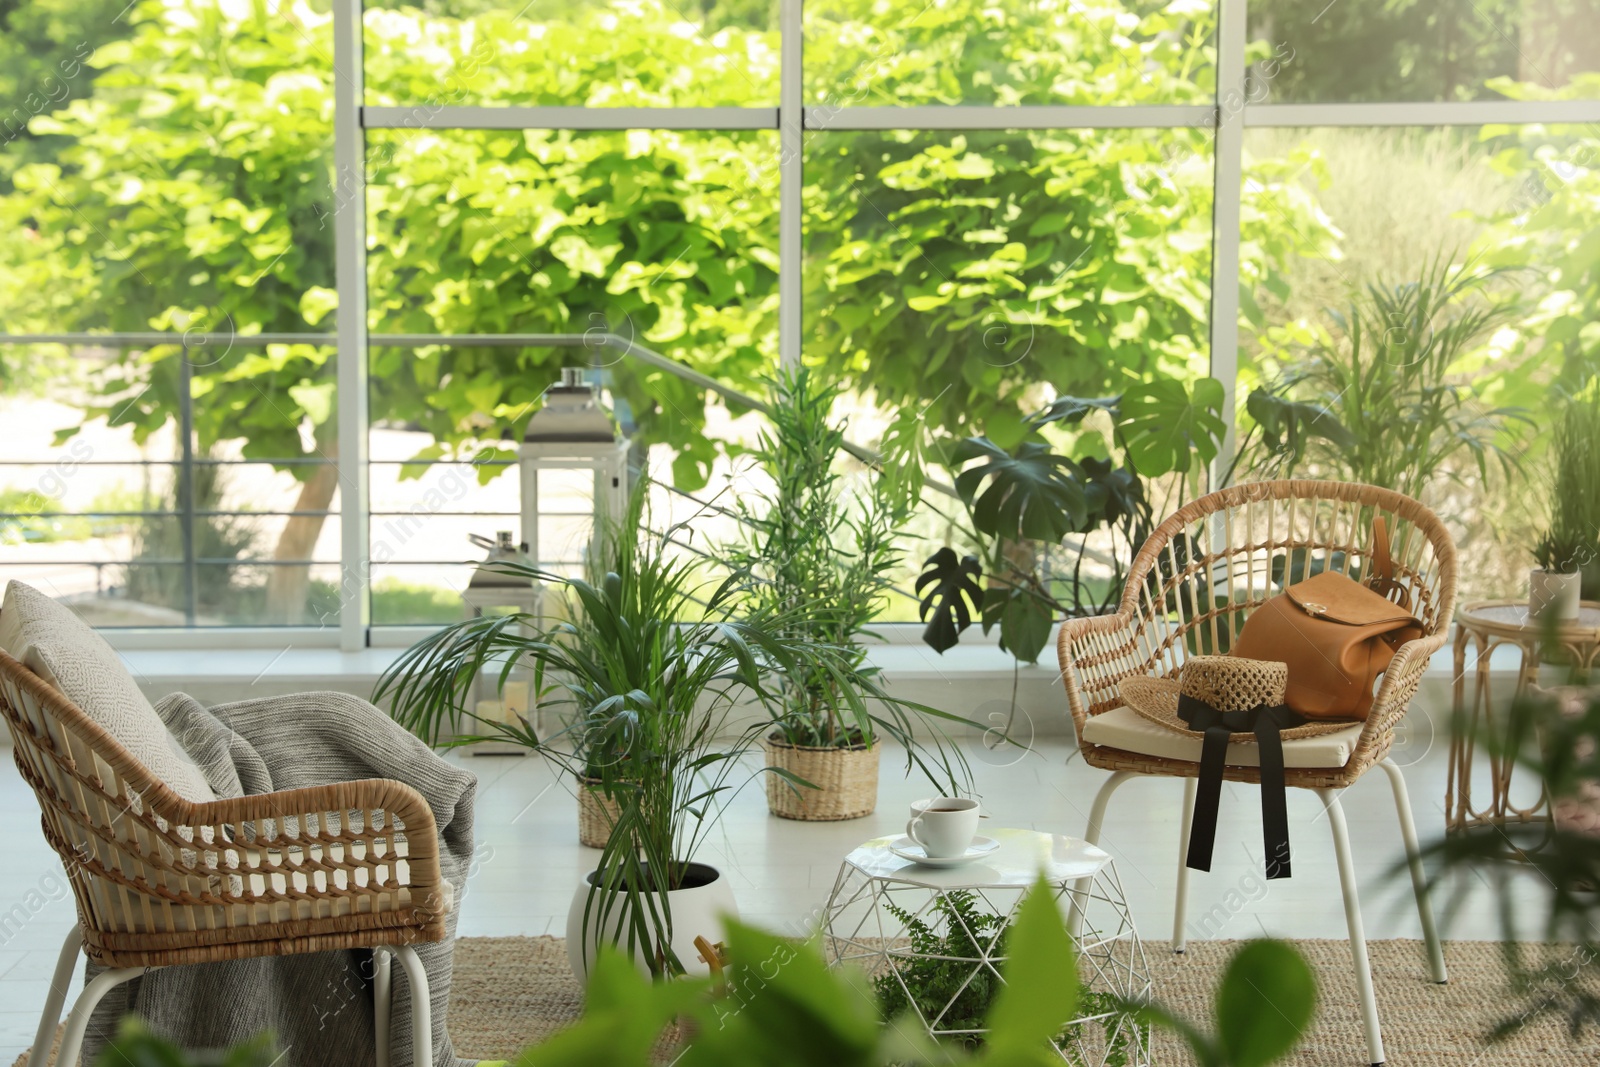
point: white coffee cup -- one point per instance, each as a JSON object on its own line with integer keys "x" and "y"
{"x": 943, "y": 826}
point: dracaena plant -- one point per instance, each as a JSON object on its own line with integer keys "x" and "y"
{"x": 816, "y": 538}
{"x": 650, "y": 669}
{"x": 1024, "y": 501}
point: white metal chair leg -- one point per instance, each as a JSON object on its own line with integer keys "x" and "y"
{"x": 78, "y": 1021}
{"x": 1180, "y": 909}
{"x": 60, "y": 982}
{"x": 1352, "y": 918}
{"x": 421, "y": 1007}
{"x": 1419, "y": 880}
{"x": 1091, "y": 835}
{"x": 1097, "y": 813}
{"x": 382, "y": 1002}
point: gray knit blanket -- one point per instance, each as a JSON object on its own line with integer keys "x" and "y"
{"x": 319, "y": 1005}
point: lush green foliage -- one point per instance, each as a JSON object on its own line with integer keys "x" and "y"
{"x": 933, "y": 977}
{"x": 1095, "y": 246}
{"x": 958, "y": 52}
{"x": 813, "y": 538}
{"x": 18, "y": 525}
{"x": 1264, "y": 1003}
{"x": 193, "y": 192}
{"x": 1552, "y": 228}
{"x": 651, "y": 668}
{"x": 136, "y": 1046}
{"x": 1551, "y": 736}
{"x": 1570, "y": 540}
{"x": 1380, "y": 50}
{"x": 44, "y": 50}
{"x": 1023, "y": 500}
{"x": 974, "y": 275}
{"x": 961, "y": 996}
{"x": 778, "y": 1004}
{"x": 1380, "y": 399}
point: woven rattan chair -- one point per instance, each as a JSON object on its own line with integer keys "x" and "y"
{"x": 1236, "y": 543}
{"x": 160, "y": 881}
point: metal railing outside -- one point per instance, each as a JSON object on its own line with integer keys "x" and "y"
{"x": 187, "y": 461}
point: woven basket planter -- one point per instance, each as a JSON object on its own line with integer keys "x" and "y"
{"x": 846, "y": 780}
{"x": 597, "y": 814}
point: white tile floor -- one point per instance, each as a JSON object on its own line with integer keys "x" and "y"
{"x": 529, "y": 858}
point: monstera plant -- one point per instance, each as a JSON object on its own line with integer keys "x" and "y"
{"x": 1025, "y": 500}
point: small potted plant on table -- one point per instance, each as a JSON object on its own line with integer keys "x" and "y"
{"x": 1569, "y": 542}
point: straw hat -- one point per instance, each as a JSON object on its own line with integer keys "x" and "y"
{"x": 1227, "y": 683}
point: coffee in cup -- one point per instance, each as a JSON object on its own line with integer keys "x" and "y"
{"x": 943, "y": 826}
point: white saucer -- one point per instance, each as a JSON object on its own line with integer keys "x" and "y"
{"x": 908, "y": 849}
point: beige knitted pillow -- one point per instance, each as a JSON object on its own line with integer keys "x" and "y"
{"x": 58, "y": 646}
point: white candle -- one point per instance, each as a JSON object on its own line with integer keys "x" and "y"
{"x": 491, "y": 711}
{"x": 516, "y": 698}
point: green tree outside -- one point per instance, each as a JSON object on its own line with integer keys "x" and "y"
{"x": 965, "y": 271}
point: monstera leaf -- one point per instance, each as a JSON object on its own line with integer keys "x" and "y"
{"x": 1027, "y": 494}
{"x": 1073, "y": 409}
{"x": 1164, "y": 426}
{"x": 1288, "y": 426}
{"x": 952, "y": 601}
{"x": 1024, "y": 619}
{"x": 1114, "y": 493}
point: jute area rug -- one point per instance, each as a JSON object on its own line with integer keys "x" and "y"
{"x": 510, "y": 992}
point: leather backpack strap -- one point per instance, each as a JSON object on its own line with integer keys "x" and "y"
{"x": 1380, "y": 564}
{"x": 1382, "y": 561}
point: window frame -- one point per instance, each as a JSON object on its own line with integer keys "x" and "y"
{"x": 1226, "y": 118}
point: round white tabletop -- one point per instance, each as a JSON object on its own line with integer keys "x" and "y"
{"x": 1022, "y": 857}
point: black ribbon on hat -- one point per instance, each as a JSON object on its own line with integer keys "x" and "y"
{"x": 1265, "y": 721}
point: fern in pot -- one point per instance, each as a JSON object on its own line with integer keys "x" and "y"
{"x": 821, "y": 556}
{"x": 660, "y": 668}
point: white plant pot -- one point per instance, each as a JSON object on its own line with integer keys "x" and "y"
{"x": 1554, "y": 595}
{"x": 697, "y": 910}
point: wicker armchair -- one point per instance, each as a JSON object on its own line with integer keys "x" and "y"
{"x": 160, "y": 881}
{"x": 1236, "y": 543}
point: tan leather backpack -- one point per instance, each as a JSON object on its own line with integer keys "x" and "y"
{"x": 1336, "y": 634}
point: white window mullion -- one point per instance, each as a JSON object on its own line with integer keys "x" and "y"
{"x": 1031, "y": 117}
{"x": 1225, "y": 213}
{"x": 1425, "y": 113}
{"x": 350, "y": 244}
{"x": 791, "y": 180}
{"x": 512, "y": 117}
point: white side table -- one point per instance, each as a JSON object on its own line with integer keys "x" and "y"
{"x": 866, "y": 923}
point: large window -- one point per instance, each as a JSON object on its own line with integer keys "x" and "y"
{"x": 968, "y": 206}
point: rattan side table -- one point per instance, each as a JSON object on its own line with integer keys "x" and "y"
{"x": 876, "y": 892}
{"x": 1487, "y": 625}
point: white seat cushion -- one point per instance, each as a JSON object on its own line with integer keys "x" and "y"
{"x": 53, "y": 642}
{"x": 1126, "y": 729}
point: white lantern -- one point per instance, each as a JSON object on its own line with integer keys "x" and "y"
{"x": 494, "y": 592}
{"x": 571, "y": 432}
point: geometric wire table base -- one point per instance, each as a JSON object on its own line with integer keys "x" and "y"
{"x": 883, "y": 910}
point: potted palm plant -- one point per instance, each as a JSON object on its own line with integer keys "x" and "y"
{"x": 1380, "y": 399}
{"x": 659, "y": 669}
{"x": 810, "y": 542}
